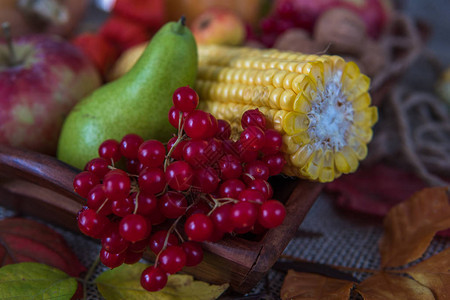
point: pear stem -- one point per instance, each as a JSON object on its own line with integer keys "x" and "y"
{"x": 6, "y": 29}
{"x": 182, "y": 20}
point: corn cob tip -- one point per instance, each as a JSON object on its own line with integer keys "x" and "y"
{"x": 320, "y": 104}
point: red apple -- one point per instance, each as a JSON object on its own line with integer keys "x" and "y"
{"x": 219, "y": 26}
{"x": 37, "y": 90}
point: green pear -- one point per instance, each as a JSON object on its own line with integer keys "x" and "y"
{"x": 138, "y": 102}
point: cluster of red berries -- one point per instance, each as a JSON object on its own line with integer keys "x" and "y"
{"x": 216, "y": 185}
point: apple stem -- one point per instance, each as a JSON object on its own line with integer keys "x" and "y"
{"x": 6, "y": 28}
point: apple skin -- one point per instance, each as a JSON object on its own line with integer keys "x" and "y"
{"x": 219, "y": 26}
{"x": 36, "y": 94}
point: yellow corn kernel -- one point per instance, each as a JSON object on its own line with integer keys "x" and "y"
{"x": 319, "y": 104}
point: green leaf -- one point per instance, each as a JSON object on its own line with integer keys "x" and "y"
{"x": 30, "y": 280}
{"x": 124, "y": 283}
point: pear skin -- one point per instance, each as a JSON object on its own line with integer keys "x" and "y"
{"x": 138, "y": 102}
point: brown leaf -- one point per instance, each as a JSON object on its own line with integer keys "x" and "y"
{"x": 23, "y": 240}
{"x": 384, "y": 286}
{"x": 411, "y": 225}
{"x": 434, "y": 273}
{"x": 311, "y": 286}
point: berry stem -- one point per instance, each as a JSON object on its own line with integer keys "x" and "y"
{"x": 249, "y": 175}
{"x": 89, "y": 274}
{"x": 217, "y": 203}
{"x": 179, "y": 235}
{"x": 136, "y": 203}
{"x": 167, "y": 159}
{"x": 101, "y": 206}
{"x": 166, "y": 240}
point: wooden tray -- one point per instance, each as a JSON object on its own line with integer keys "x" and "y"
{"x": 39, "y": 185}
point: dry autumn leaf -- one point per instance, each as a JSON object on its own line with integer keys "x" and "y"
{"x": 305, "y": 286}
{"x": 410, "y": 226}
{"x": 434, "y": 273}
{"x": 384, "y": 286}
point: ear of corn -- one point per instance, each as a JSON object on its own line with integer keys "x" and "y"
{"x": 320, "y": 104}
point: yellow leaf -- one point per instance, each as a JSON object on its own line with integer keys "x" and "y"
{"x": 434, "y": 273}
{"x": 298, "y": 285}
{"x": 124, "y": 283}
{"x": 411, "y": 225}
{"x": 384, "y": 286}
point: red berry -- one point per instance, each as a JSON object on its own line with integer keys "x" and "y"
{"x": 199, "y": 207}
{"x": 113, "y": 242}
{"x": 96, "y": 199}
{"x": 253, "y": 117}
{"x": 92, "y": 224}
{"x": 214, "y": 150}
{"x": 109, "y": 150}
{"x": 231, "y": 188}
{"x": 172, "y": 259}
{"x": 271, "y": 214}
{"x": 252, "y": 138}
{"x": 221, "y": 218}
{"x": 116, "y": 185}
{"x": 216, "y": 235}
{"x": 275, "y": 163}
{"x": 195, "y": 153}
{"x": 157, "y": 240}
{"x": 258, "y": 229}
{"x": 111, "y": 260}
{"x": 139, "y": 246}
{"x": 206, "y": 180}
{"x": 134, "y": 228}
{"x": 98, "y": 166}
{"x": 223, "y": 130}
{"x": 243, "y": 230}
{"x": 251, "y": 196}
{"x": 245, "y": 153}
{"x": 212, "y": 130}
{"x": 157, "y": 217}
{"x": 263, "y": 186}
{"x": 231, "y": 147}
{"x": 197, "y": 125}
{"x": 152, "y": 153}
{"x": 129, "y": 145}
{"x": 255, "y": 169}
{"x": 185, "y": 99}
{"x": 146, "y": 204}
{"x": 172, "y": 204}
{"x": 194, "y": 253}
{"x": 134, "y": 166}
{"x": 153, "y": 279}
{"x": 244, "y": 214}
{"x": 230, "y": 167}
{"x": 198, "y": 227}
{"x": 272, "y": 142}
{"x": 123, "y": 207}
{"x": 84, "y": 182}
{"x": 132, "y": 257}
{"x": 179, "y": 175}
{"x": 152, "y": 181}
